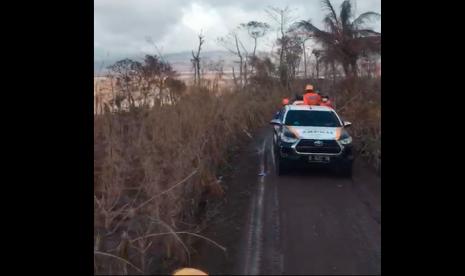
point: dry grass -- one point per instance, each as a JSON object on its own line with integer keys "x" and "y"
{"x": 155, "y": 170}
{"x": 359, "y": 101}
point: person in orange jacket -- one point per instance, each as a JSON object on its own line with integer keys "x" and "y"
{"x": 326, "y": 102}
{"x": 285, "y": 101}
{"x": 311, "y": 97}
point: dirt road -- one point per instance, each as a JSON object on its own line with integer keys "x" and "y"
{"x": 307, "y": 222}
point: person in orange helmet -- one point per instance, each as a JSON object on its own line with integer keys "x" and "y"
{"x": 311, "y": 97}
{"x": 326, "y": 102}
{"x": 285, "y": 101}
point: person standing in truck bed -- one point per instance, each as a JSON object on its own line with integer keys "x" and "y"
{"x": 326, "y": 102}
{"x": 311, "y": 97}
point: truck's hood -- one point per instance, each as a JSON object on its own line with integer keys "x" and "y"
{"x": 319, "y": 133}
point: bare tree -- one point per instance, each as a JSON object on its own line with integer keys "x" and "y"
{"x": 217, "y": 68}
{"x": 304, "y": 53}
{"x": 128, "y": 75}
{"x": 155, "y": 73}
{"x": 136, "y": 81}
{"x": 196, "y": 60}
{"x": 282, "y": 19}
{"x": 264, "y": 72}
{"x": 256, "y": 30}
{"x": 175, "y": 89}
{"x": 293, "y": 54}
{"x": 317, "y": 54}
{"x": 234, "y": 45}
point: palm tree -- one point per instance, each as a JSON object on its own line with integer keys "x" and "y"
{"x": 345, "y": 40}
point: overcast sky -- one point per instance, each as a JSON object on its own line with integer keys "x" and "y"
{"x": 121, "y": 27}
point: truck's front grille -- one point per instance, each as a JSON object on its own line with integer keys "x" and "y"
{"x": 308, "y": 146}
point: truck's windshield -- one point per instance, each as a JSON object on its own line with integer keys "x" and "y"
{"x": 311, "y": 118}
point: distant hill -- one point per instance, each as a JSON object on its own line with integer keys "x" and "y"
{"x": 181, "y": 61}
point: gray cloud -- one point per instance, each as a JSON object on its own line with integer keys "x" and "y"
{"x": 121, "y": 26}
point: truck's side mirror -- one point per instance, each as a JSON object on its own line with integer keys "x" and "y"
{"x": 276, "y": 116}
{"x": 347, "y": 124}
{"x": 275, "y": 122}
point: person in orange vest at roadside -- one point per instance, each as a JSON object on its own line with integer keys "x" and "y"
{"x": 326, "y": 102}
{"x": 311, "y": 97}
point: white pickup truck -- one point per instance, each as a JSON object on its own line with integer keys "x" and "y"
{"x": 311, "y": 134}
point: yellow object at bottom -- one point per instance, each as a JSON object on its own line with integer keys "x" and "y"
{"x": 189, "y": 271}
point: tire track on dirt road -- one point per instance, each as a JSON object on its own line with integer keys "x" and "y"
{"x": 254, "y": 241}
{"x": 314, "y": 222}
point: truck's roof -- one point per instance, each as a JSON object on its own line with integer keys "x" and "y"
{"x": 308, "y": 107}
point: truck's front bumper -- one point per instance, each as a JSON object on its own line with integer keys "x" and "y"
{"x": 287, "y": 151}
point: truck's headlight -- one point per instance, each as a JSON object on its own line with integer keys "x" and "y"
{"x": 288, "y": 136}
{"x": 345, "y": 140}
